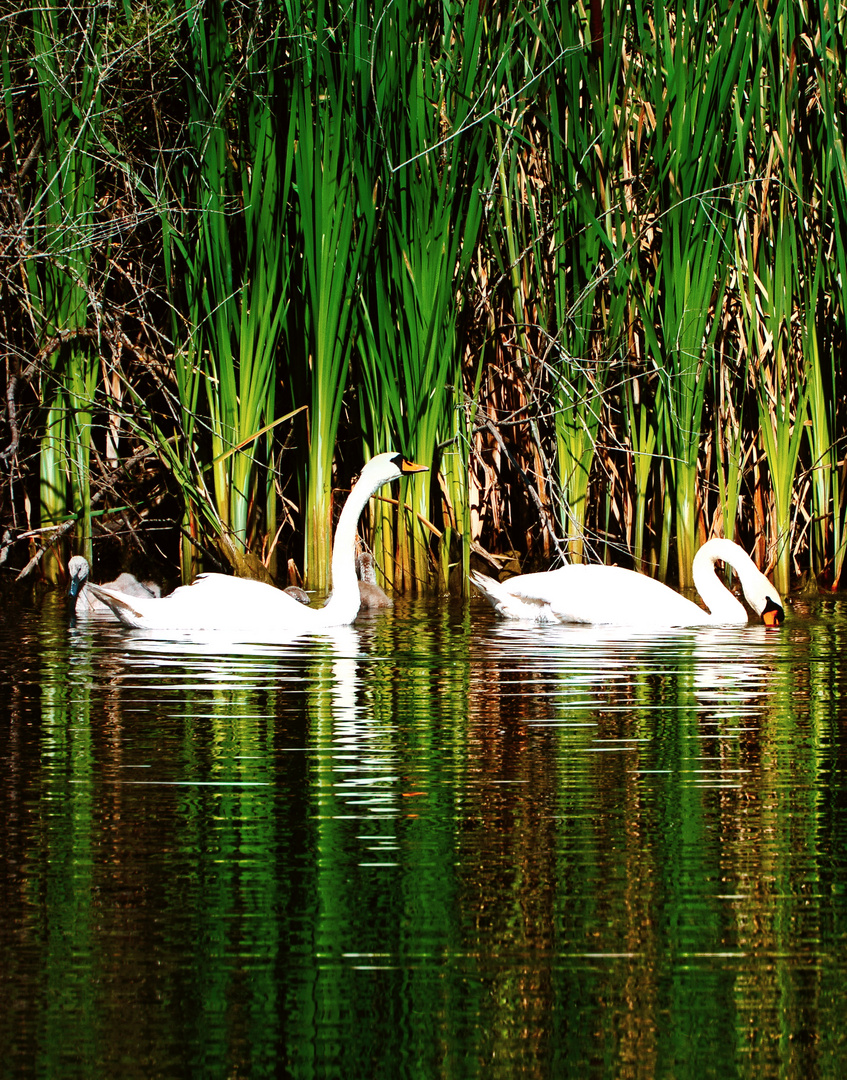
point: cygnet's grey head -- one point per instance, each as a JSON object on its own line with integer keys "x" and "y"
{"x": 79, "y": 570}
{"x": 365, "y": 567}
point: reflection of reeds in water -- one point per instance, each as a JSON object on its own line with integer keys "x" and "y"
{"x": 665, "y": 803}
{"x": 418, "y": 806}
{"x": 560, "y": 262}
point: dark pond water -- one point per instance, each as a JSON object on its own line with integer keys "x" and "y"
{"x": 433, "y": 845}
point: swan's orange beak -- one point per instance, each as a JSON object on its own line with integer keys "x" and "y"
{"x": 412, "y": 467}
{"x": 773, "y": 614}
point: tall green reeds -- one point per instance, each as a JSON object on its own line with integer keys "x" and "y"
{"x": 771, "y": 268}
{"x": 626, "y": 233}
{"x": 67, "y": 62}
{"x": 422, "y": 196}
{"x": 825, "y": 306}
{"x": 241, "y": 191}
{"x": 730, "y": 452}
{"x": 183, "y": 289}
{"x": 683, "y": 361}
{"x": 823, "y": 477}
{"x": 330, "y": 249}
{"x": 695, "y": 170}
{"x": 777, "y": 372}
{"x": 586, "y": 307}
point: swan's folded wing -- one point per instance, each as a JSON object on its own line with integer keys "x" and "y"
{"x": 508, "y": 604}
{"x": 600, "y": 595}
{"x": 214, "y": 602}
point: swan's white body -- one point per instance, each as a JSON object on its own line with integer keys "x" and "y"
{"x": 613, "y": 596}
{"x": 371, "y": 594}
{"x": 83, "y": 600}
{"x": 218, "y": 602}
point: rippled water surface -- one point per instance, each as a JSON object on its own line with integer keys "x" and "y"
{"x": 431, "y": 845}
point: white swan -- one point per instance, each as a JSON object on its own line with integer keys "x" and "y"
{"x": 613, "y": 596}
{"x": 372, "y": 595}
{"x": 84, "y": 602}
{"x": 217, "y": 602}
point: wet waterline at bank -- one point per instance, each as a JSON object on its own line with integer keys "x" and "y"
{"x": 430, "y": 844}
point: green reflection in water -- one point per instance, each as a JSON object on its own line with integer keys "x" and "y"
{"x": 433, "y": 845}
{"x": 62, "y": 881}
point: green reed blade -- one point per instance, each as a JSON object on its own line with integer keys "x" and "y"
{"x": 331, "y": 252}
{"x": 823, "y": 452}
{"x": 70, "y": 102}
{"x": 241, "y": 188}
{"x": 729, "y": 441}
{"x": 428, "y": 180}
{"x": 782, "y": 389}
{"x": 642, "y": 437}
{"x": 829, "y": 481}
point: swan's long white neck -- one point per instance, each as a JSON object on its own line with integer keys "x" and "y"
{"x": 343, "y": 603}
{"x": 723, "y": 606}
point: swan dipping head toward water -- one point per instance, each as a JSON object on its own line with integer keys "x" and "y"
{"x": 218, "y": 602}
{"x": 614, "y": 596}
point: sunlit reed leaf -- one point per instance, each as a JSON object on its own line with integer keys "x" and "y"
{"x": 421, "y": 189}
{"x": 330, "y": 250}
{"x": 240, "y": 263}
{"x": 781, "y": 386}
{"x": 70, "y": 101}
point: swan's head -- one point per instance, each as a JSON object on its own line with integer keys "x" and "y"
{"x": 78, "y": 569}
{"x": 773, "y": 613}
{"x": 390, "y": 466}
{"x": 765, "y": 601}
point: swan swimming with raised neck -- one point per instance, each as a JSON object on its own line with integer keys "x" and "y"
{"x": 218, "y": 602}
{"x": 84, "y": 602}
{"x": 613, "y": 596}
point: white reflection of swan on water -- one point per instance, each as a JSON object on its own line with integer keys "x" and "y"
{"x": 216, "y": 658}
{"x": 732, "y": 672}
{"x": 237, "y": 643}
{"x": 356, "y": 762}
{"x": 358, "y": 758}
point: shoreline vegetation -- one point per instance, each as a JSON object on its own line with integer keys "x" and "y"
{"x": 587, "y": 262}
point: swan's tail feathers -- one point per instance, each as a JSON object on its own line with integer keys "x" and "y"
{"x": 509, "y": 605}
{"x": 489, "y": 588}
{"x": 121, "y": 605}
